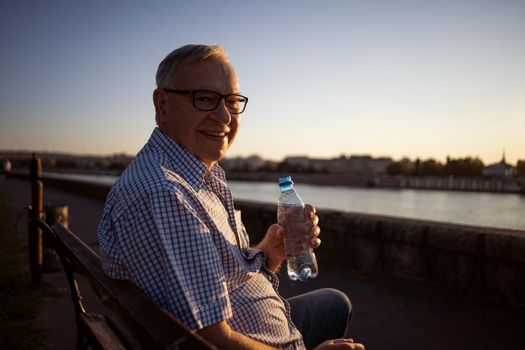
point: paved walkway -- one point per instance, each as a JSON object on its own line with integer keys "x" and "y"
{"x": 388, "y": 314}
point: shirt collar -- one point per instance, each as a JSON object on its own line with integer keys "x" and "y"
{"x": 182, "y": 162}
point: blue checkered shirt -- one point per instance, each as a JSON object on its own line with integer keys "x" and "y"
{"x": 169, "y": 226}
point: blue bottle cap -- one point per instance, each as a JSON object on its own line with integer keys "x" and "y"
{"x": 285, "y": 182}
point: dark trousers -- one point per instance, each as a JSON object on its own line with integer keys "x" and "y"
{"x": 321, "y": 315}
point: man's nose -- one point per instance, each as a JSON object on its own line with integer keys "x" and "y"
{"x": 221, "y": 113}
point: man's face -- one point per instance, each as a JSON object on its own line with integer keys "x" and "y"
{"x": 205, "y": 134}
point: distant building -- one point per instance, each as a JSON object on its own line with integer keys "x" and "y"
{"x": 364, "y": 166}
{"x": 298, "y": 163}
{"x": 359, "y": 165}
{"x": 379, "y": 165}
{"x": 251, "y": 163}
{"x": 338, "y": 165}
{"x": 319, "y": 165}
{"x": 501, "y": 169}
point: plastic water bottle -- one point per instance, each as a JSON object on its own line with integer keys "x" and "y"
{"x": 300, "y": 258}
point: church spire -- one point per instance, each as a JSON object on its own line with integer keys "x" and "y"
{"x": 503, "y": 158}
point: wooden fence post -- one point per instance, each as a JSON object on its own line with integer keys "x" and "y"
{"x": 36, "y": 213}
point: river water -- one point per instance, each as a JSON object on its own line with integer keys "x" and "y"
{"x": 470, "y": 208}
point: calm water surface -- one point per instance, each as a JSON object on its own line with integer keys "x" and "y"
{"x": 470, "y": 208}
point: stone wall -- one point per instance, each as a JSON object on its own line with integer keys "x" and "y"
{"x": 474, "y": 260}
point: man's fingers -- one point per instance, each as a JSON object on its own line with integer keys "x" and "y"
{"x": 315, "y": 220}
{"x": 315, "y": 243}
{"x": 309, "y": 211}
{"x": 313, "y": 232}
{"x": 349, "y": 344}
{"x": 341, "y": 344}
{"x": 316, "y": 231}
{"x": 337, "y": 341}
{"x": 277, "y": 230}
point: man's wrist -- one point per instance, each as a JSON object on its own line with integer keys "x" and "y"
{"x": 271, "y": 263}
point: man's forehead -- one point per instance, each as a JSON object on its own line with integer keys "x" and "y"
{"x": 204, "y": 71}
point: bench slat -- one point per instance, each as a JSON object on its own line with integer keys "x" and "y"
{"x": 100, "y": 331}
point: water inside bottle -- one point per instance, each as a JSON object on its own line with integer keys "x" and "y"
{"x": 301, "y": 267}
{"x": 295, "y": 229}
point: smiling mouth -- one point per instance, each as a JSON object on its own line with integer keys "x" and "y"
{"x": 214, "y": 133}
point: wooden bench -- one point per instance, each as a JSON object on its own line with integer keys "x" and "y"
{"x": 132, "y": 320}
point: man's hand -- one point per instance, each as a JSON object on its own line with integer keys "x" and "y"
{"x": 273, "y": 242}
{"x": 273, "y": 246}
{"x": 340, "y": 344}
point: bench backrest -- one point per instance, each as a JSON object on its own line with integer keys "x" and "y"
{"x": 137, "y": 321}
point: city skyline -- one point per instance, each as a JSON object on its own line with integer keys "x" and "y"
{"x": 7, "y": 154}
{"x": 416, "y": 79}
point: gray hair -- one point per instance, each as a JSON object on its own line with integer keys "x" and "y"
{"x": 186, "y": 54}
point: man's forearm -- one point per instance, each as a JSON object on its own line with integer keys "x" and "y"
{"x": 240, "y": 341}
{"x": 222, "y": 336}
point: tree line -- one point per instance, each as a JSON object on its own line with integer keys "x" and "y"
{"x": 469, "y": 167}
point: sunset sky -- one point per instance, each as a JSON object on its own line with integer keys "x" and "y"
{"x": 325, "y": 78}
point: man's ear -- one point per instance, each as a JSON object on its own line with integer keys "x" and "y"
{"x": 159, "y": 100}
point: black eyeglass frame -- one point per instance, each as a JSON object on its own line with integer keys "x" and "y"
{"x": 221, "y": 97}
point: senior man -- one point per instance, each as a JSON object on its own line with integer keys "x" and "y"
{"x": 169, "y": 224}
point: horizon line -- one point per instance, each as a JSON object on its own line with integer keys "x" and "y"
{"x": 346, "y": 155}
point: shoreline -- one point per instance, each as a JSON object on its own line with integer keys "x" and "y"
{"x": 454, "y": 184}
{"x": 438, "y": 183}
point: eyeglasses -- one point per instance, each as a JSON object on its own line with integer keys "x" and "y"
{"x": 206, "y": 100}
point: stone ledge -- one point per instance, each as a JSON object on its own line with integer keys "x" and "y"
{"x": 477, "y": 260}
